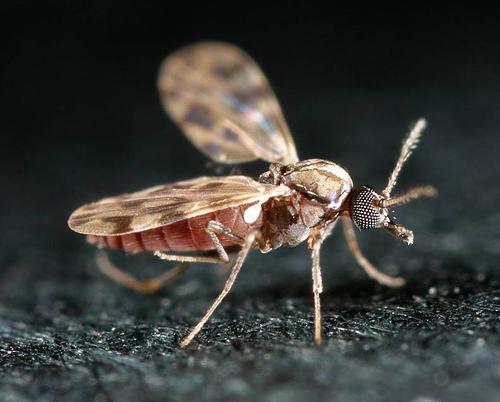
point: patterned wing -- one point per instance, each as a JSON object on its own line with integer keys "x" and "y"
{"x": 165, "y": 204}
{"x": 224, "y": 104}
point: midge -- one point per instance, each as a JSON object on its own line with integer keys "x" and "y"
{"x": 223, "y": 103}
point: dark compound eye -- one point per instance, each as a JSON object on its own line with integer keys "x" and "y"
{"x": 363, "y": 211}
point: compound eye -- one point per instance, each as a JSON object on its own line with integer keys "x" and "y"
{"x": 364, "y": 213}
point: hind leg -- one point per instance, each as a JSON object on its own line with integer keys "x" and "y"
{"x": 152, "y": 285}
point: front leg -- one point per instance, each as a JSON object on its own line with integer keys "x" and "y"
{"x": 370, "y": 269}
{"x": 315, "y": 241}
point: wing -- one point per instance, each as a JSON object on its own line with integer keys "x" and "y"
{"x": 224, "y": 104}
{"x": 161, "y": 205}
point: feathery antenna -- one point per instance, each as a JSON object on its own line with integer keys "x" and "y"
{"x": 409, "y": 144}
{"x": 411, "y": 194}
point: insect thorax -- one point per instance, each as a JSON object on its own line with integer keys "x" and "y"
{"x": 319, "y": 189}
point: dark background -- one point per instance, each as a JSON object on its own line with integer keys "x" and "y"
{"x": 81, "y": 120}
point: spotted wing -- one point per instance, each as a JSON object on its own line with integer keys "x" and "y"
{"x": 165, "y": 204}
{"x": 224, "y": 104}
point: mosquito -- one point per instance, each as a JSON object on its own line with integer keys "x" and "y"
{"x": 223, "y": 103}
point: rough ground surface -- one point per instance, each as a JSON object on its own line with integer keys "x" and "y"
{"x": 89, "y": 125}
{"x": 77, "y": 337}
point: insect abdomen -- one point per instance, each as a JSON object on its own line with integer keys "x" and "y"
{"x": 185, "y": 235}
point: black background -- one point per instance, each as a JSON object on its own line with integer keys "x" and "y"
{"x": 81, "y": 120}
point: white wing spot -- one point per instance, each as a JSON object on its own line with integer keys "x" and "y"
{"x": 252, "y": 213}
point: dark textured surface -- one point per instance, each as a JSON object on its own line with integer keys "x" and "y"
{"x": 83, "y": 121}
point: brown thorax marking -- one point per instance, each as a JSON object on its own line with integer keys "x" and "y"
{"x": 319, "y": 189}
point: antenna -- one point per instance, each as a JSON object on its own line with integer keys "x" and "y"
{"x": 409, "y": 144}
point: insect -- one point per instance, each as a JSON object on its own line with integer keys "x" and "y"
{"x": 224, "y": 104}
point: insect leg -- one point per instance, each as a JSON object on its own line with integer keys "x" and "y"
{"x": 369, "y": 268}
{"x": 240, "y": 259}
{"x": 141, "y": 285}
{"x": 315, "y": 241}
{"x": 317, "y": 290}
{"x": 215, "y": 228}
{"x": 154, "y": 284}
{"x": 201, "y": 259}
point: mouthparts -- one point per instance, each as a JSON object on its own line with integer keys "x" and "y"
{"x": 399, "y": 231}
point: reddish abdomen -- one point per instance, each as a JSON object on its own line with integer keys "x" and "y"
{"x": 184, "y": 235}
